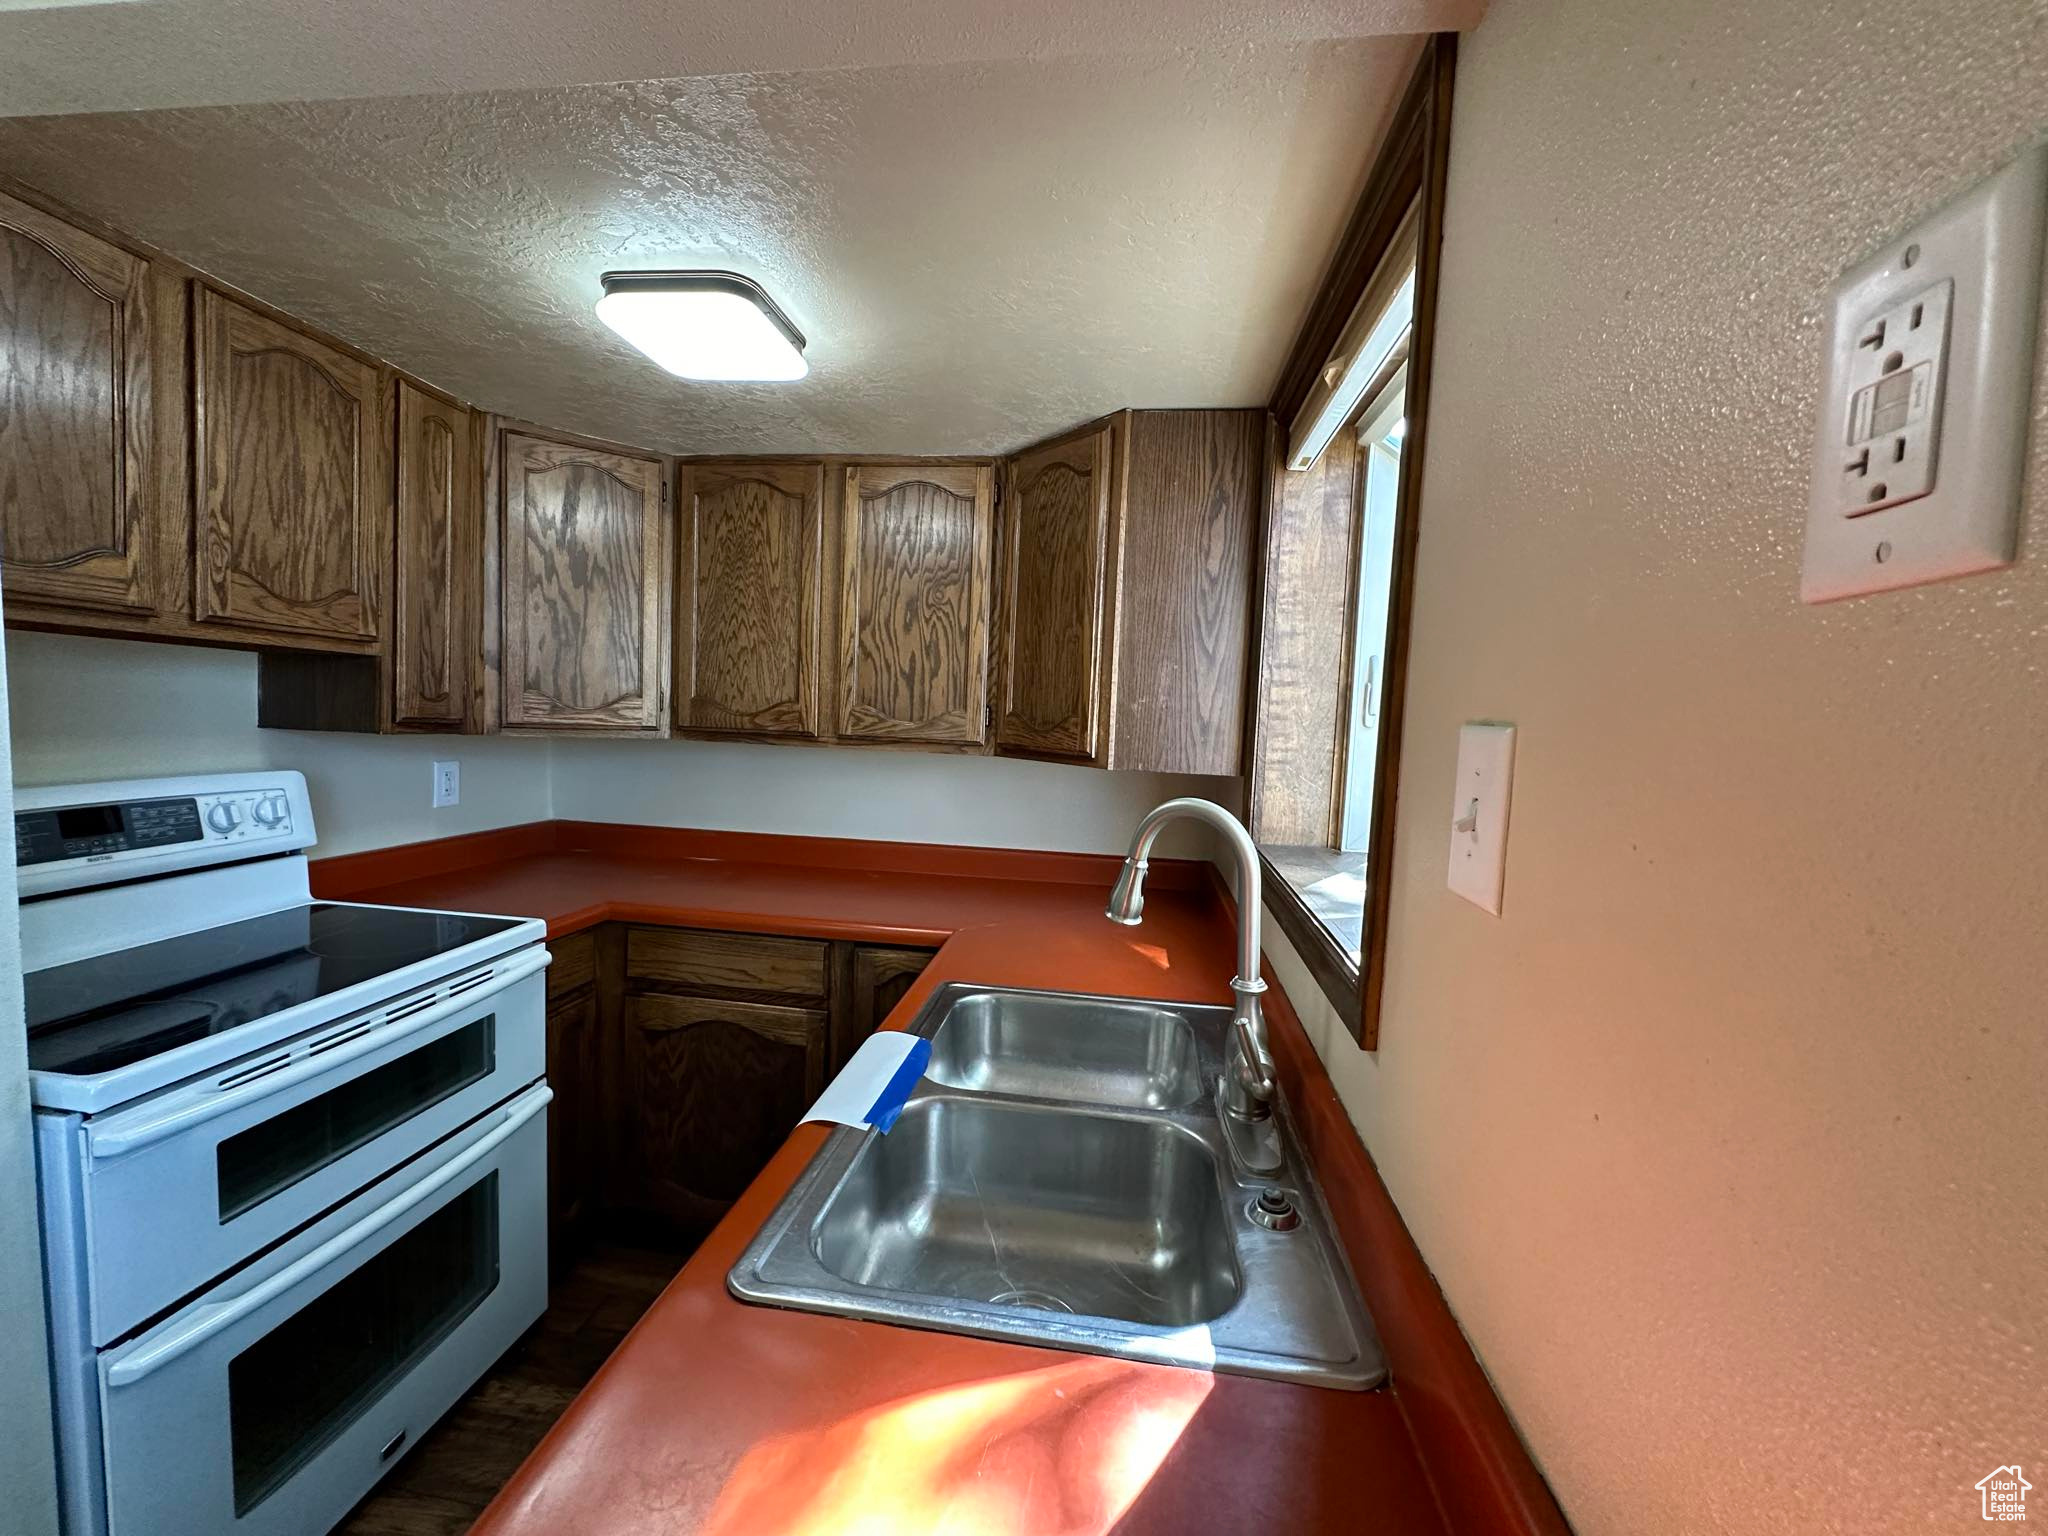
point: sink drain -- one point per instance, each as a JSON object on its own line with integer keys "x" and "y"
{"x": 1044, "y": 1301}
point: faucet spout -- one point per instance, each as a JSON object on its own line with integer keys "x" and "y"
{"x": 1248, "y": 1089}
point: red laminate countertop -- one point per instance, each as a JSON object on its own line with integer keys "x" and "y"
{"x": 722, "y": 1418}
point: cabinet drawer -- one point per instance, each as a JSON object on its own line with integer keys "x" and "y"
{"x": 727, "y": 962}
{"x": 575, "y": 963}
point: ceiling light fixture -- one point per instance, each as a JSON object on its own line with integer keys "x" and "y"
{"x": 704, "y": 325}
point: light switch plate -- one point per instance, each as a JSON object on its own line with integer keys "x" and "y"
{"x": 1924, "y": 405}
{"x": 447, "y": 784}
{"x": 1479, "y": 812}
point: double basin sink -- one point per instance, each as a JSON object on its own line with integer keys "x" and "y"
{"x": 1062, "y": 1177}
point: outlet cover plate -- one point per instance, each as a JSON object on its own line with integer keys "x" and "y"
{"x": 447, "y": 784}
{"x": 1970, "y": 451}
{"x": 1479, "y": 812}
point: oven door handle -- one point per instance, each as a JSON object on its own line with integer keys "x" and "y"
{"x": 119, "y": 1139}
{"x": 208, "y": 1319}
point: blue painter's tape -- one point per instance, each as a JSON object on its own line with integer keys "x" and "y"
{"x": 889, "y": 1102}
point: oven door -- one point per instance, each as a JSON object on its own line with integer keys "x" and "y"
{"x": 183, "y": 1186}
{"x": 273, "y": 1402}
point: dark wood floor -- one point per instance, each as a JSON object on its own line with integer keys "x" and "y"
{"x": 444, "y": 1483}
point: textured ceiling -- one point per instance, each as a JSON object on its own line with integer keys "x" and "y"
{"x": 980, "y": 253}
{"x": 131, "y": 55}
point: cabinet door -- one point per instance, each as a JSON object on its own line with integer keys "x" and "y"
{"x": 572, "y": 1129}
{"x": 916, "y": 544}
{"x": 77, "y": 418}
{"x": 875, "y": 981}
{"x": 1056, "y": 537}
{"x": 750, "y": 590}
{"x": 434, "y": 587}
{"x": 294, "y": 501}
{"x": 585, "y": 556}
{"x": 716, "y": 1087}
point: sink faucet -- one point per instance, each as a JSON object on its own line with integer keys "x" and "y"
{"x": 1247, "y": 1091}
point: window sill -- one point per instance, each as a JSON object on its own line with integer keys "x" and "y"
{"x": 1317, "y": 896}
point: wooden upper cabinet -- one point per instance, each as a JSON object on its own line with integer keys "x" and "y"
{"x": 1183, "y": 591}
{"x": 585, "y": 605}
{"x": 294, "y": 500}
{"x": 1127, "y": 592}
{"x": 916, "y": 544}
{"x": 749, "y": 596}
{"x": 77, "y": 418}
{"x": 437, "y": 571}
{"x": 1056, "y": 536}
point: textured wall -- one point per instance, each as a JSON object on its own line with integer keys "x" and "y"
{"x": 1726, "y": 1139}
{"x": 980, "y": 255}
{"x": 863, "y": 793}
{"x": 102, "y": 709}
{"x": 109, "y": 709}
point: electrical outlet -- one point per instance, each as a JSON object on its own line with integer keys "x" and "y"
{"x": 1895, "y": 403}
{"x": 1924, "y": 408}
{"x": 447, "y": 784}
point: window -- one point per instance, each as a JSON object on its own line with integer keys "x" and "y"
{"x": 1339, "y": 542}
{"x": 1380, "y": 434}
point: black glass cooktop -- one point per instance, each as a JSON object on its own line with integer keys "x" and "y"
{"x": 94, "y": 1015}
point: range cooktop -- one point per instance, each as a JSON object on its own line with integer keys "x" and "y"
{"x": 97, "y": 1015}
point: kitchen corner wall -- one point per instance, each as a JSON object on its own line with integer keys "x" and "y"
{"x": 112, "y": 709}
{"x": 105, "y": 709}
{"x": 868, "y": 793}
{"x": 1726, "y": 1140}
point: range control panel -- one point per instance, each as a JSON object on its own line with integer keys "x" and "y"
{"x": 110, "y": 829}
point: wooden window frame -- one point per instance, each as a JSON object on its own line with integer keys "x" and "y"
{"x": 1409, "y": 173}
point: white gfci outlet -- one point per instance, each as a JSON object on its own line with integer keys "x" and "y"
{"x": 447, "y": 783}
{"x": 1895, "y": 403}
{"x": 1924, "y": 408}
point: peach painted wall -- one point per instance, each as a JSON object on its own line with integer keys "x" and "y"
{"x": 1728, "y": 1140}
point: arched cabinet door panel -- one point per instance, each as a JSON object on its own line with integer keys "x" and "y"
{"x": 585, "y": 556}
{"x": 78, "y": 419}
{"x": 436, "y": 577}
{"x": 750, "y": 591}
{"x": 714, "y": 1088}
{"x": 292, "y": 445}
{"x": 1056, "y": 543}
{"x": 916, "y": 549}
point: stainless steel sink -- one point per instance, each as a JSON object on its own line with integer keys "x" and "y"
{"x": 1023, "y": 1206}
{"x": 1045, "y": 1047}
{"x": 1061, "y": 1177}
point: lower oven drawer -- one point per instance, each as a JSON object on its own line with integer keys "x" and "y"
{"x": 181, "y": 1187}
{"x": 270, "y": 1404}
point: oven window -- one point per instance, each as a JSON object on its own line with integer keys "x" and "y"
{"x": 304, "y": 1382}
{"x": 255, "y": 1164}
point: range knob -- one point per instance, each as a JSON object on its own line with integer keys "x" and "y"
{"x": 269, "y": 812}
{"x": 224, "y": 817}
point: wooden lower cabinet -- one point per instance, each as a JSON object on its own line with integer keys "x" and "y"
{"x": 872, "y": 981}
{"x": 572, "y": 1072}
{"x": 681, "y": 1059}
{"x": 575, "y": 1073}
{"x": 714, "y": 1087}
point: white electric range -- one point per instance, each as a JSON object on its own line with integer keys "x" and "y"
{"x": 291, "y": 1156}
